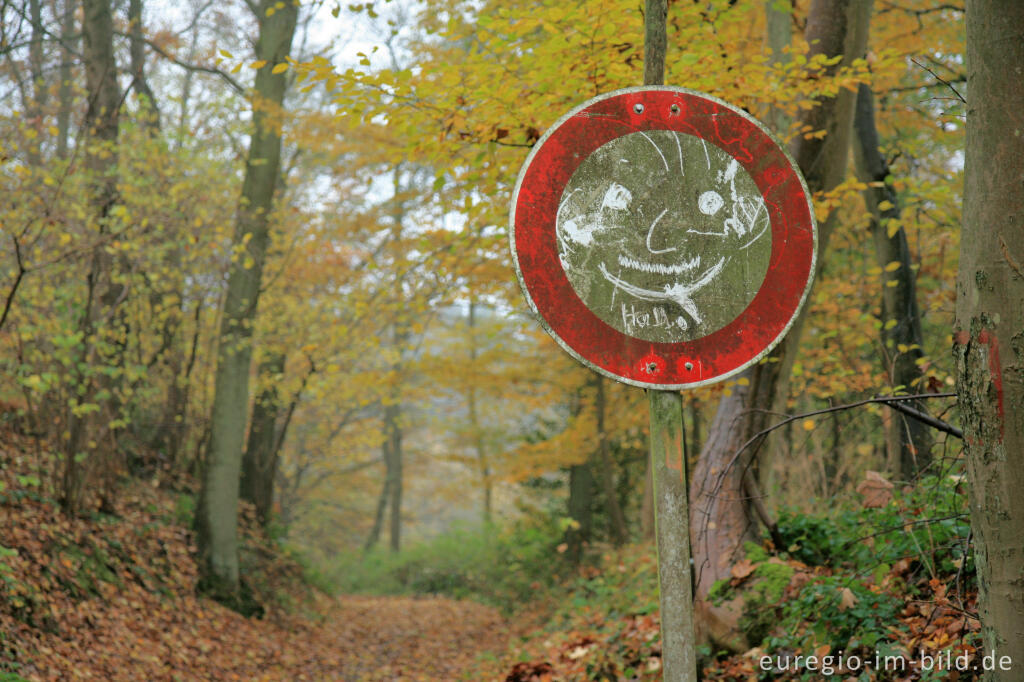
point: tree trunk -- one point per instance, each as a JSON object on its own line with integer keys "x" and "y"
{"x": 259, "y": 461}
{"x": 36, "y": 107}
{"x": 722, "y": 518}
{"x": 103, "y": 294}
{"x": 218, "y": 510}
{"x": 647, "y": 502}
{"x": 778, "y": 36}
{"x": 479, "y": 442}
{"x": 382, "y": 504}
{"x": 581, "y": 503}
{"x": 393, "y": 433}
{"x": 617, "y": 522}
{"x": 149, "y": 113}
{"x": 901, "y": 318}
{"x": 988, "y": 337}
{"x": 65, "y": 96}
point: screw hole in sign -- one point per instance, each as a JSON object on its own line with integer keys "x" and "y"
{"x": 685, "y": 233}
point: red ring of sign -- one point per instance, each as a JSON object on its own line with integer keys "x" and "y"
{"x": 583, "y": 334}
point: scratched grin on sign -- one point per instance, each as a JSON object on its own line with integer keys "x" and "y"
{"x": 663, "y": 235}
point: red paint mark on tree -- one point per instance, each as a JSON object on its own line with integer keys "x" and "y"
{"x": 995, "y": 370}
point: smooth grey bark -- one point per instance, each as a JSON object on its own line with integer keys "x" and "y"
{"x": 908, "y": 440}
{"x": 217, "y": 520}
{"x": 722, "y": 515}
{"x": 989, "y": 329}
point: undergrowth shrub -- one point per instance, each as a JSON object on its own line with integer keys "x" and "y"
{"x": 505, "y": 566}
{"x": 842, "y": 576}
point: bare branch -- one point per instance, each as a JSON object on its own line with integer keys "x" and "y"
{"x": 941, "y": 80}
{"x": 225, "y": 76}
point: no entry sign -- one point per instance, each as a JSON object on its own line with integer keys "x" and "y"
{"x": 663, "y": 236}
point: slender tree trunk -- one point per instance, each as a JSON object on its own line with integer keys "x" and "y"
{"x": 382, "y": 504}
{"x": 479, "y": 443}
{"x": 581, "y": 503}
{"x": 149, "y": 112}
{"x": 218, "y": 510}
{"x": 647, "y": 502}
{"x": 989, "y": 329}
{"x": 36, "y": 107}
{"x": 722, "y": 517}
{"x": 696, "y": 439}
{"x": 64, "y": 93}
{"x": 901, "y": 317}
{"x": 393, "y": 432}
{"x": 617, "y": 520}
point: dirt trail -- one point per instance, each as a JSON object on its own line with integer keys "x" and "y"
{"x": 397, "y": 638}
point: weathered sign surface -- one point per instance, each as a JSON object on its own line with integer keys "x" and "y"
{"x": 663, "y": 236}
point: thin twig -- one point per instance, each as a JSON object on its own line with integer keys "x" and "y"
{"x": 941, "y": 80}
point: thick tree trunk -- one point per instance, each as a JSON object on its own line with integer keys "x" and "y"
{"x": 259, "y": 463}
{"x": 103, "y": 294}
{"x": 218, "y": 510}
{"x": 989, "y": 328}
{"x": 722, "y": 517}
{"x": 908, "y": 439}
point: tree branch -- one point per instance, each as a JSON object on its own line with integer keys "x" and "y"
{"x": 226, "y": 77}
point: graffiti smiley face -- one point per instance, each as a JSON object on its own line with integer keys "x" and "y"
{"x": 663, "y": 236}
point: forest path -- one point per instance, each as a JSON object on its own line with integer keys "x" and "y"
{"x": 384, "y": 639}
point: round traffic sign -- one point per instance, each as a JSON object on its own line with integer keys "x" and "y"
{"x": 663, "y": 236}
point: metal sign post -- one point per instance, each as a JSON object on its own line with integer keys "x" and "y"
{"x": 666, "y": 240}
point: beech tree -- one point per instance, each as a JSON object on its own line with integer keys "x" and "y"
{"x": 217, "y": 517}
{"x": 990, "y": 317}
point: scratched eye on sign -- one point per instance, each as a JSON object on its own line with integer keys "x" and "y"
{"x": 663, "y": 235}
